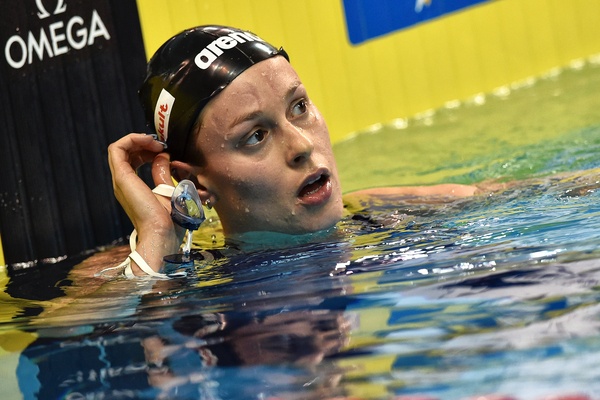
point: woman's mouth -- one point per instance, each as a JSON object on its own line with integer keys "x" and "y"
{"x": 316, "y": 190}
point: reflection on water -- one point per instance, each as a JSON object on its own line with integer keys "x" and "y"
{"x": 449, "y": 299}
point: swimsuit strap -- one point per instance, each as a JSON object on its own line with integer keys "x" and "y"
{"x": 164, "y": 190}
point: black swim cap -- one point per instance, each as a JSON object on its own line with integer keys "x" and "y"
{"x": 189, "y": 70}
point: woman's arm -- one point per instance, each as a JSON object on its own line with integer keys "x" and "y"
{"x": 441, "y": 190}
{"x": 149, "y": 213}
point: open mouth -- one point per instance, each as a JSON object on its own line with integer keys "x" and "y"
{"x": 314, "y": 186}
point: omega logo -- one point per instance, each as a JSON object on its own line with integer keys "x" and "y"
{"x": 61, "y": 7}
{"x": 55, "y": 39}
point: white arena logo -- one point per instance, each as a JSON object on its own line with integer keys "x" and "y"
{"x": 210, "y": 53}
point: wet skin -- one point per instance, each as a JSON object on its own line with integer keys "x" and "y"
{"x": 267, "y": 165}
{"x": 268, "y": 162}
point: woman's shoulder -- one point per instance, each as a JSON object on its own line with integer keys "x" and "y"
{"x": 441, "y": 190}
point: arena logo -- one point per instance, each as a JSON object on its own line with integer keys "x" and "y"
{"x": 55, "y": 39}
{"x": 210, "y": 53}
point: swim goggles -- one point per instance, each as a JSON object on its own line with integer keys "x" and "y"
{"x": 187, "y": 212}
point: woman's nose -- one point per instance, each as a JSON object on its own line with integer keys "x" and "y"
{"x": 299, "y": 144}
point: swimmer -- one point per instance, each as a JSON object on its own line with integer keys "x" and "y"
{"x": 228, "y": 112}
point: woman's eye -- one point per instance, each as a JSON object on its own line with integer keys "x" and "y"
{"x": 254, "y": 138}
{"x": 299, "y": 108}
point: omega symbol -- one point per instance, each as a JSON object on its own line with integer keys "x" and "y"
{"x": 61, "y": 7}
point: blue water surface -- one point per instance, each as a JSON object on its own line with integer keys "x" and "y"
{"x": 447, "y": 298}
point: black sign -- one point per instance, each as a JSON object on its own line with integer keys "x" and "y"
{"x": 69, "y": 74}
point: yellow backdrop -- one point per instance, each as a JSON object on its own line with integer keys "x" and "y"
{"x": 404, "y": 73}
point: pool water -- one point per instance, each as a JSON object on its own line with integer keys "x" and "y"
{"x": 495, "y": 294}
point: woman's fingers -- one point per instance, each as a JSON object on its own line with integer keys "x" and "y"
{"x": 125, "y": 156}
{"x": 161, "y": 175}
{"x": 161, "y": 169}
{"x": 134, "y": 149}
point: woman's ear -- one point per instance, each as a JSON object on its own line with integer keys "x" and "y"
{"x": 181, "y": 170}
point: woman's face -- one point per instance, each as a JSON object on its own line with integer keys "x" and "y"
{"x": 269, "y": 165}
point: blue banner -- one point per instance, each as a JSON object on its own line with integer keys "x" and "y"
{"x": 368, "y": 19}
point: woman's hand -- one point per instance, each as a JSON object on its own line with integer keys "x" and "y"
{"x": 149, "y": 213}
